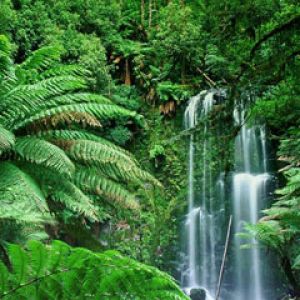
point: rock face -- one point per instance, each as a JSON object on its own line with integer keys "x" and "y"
{"x": 197, "y": 294}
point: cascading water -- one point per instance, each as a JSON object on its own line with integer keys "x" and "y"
{"x": 212, "y": 199}
{"x": 250, "y": 191}
{"x": 200, "y": 221}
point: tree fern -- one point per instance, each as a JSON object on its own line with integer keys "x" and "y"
{"x": 61, "y": 272}
{"x": 44, "y": 107}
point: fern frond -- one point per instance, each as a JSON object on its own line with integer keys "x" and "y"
{"x": 7, "y": 139}
{"x": 112, "y": 163}
{"x": 20, "y": 196}
{"x": 37, "y": 102}
{"x": 23, "y": 98}
{"x": 75, "y": 200}
{"x": 60, "y": 189}
{"x": 69, "y": 273}
{"x": 5, "y": 46}
{"x": 65, "y": 118}
{"x": 73, "y": 99}
{"x": 45, "y": 154}
{"x": 41, "y": 59}
{"x": 5, "y": 51}
{"x": 38, "y": 257}
{"x": 19, "y": 262}
{"x": 101, "y": 111}
{"x": 4, "y": 274}
{"x": 90, "y": 181}
{"x": 7, "y": 72}
{"x": 62, "y": 70}
{"x": 82, "y": 135}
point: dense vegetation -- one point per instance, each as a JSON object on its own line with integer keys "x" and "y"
{"x": 91, "y": 98}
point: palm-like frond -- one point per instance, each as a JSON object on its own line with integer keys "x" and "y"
{"x": 20, "y": 196}
{"x": 5, "y": 51}
{"x": 60, "y": 189}
{"x": 109, "y": 161}
{"x": 7, "y": 139}
{"x": 82, "y": 135}
{"x": 61, "y": 272}
{"x": 24, "y": 103}
{"x": 45, "y": 154}
{"x": 75, "y": 200}
{"x": 7, "y": 73}
{"x": 67, "y": 118}
{"x": 90, "y": 181}
{"x": 41, "y": 59}
{"x": 59, "y": 70}
{"x": 20, "y": 100}
{"x": 100, "y": 111}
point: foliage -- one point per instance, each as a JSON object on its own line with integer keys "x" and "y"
{"x": 156, "y": 151}
{"x": 51, "y": 151}
{"x": 278, "y": 107}
{"x": 153, "y": 235}
{"x": 38, "y": 271}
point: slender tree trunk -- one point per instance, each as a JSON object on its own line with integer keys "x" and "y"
{"x": 150, "y": 13}
{"x": 127, "y": 72}
{"x": 142, "y": 12}
{"x": 183, "y": 65}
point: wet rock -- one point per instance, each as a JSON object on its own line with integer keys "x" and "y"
{"x": 197, "y": 294}
{"x": 219, "y": 97}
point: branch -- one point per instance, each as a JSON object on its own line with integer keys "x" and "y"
{"x": 32, "y": 282}
{"x": 210, "y": 81}
{"x": 257, "y": 45}
{"x": 270, "y": 34}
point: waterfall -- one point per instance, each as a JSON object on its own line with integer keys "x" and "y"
{"x": 210, "y": 204}
{"x": 250, "y": 187}
{"x": 200, "y": 220}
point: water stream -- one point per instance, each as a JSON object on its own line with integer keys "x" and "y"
{"x": 212, "y": 199}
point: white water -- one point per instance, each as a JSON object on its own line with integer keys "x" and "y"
{"x": 199, "y": 221}
{"x": 249, "y": 194}
{"x": 205, "y": 225}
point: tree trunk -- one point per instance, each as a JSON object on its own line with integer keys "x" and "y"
{"x": 150, "y": 13}
{"x": 127, "y": 72}
{"x": 183, "y": 70}
{"x": 142, "y": 12}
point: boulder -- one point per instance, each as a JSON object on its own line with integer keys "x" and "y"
{"x": 197, "y": 294}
